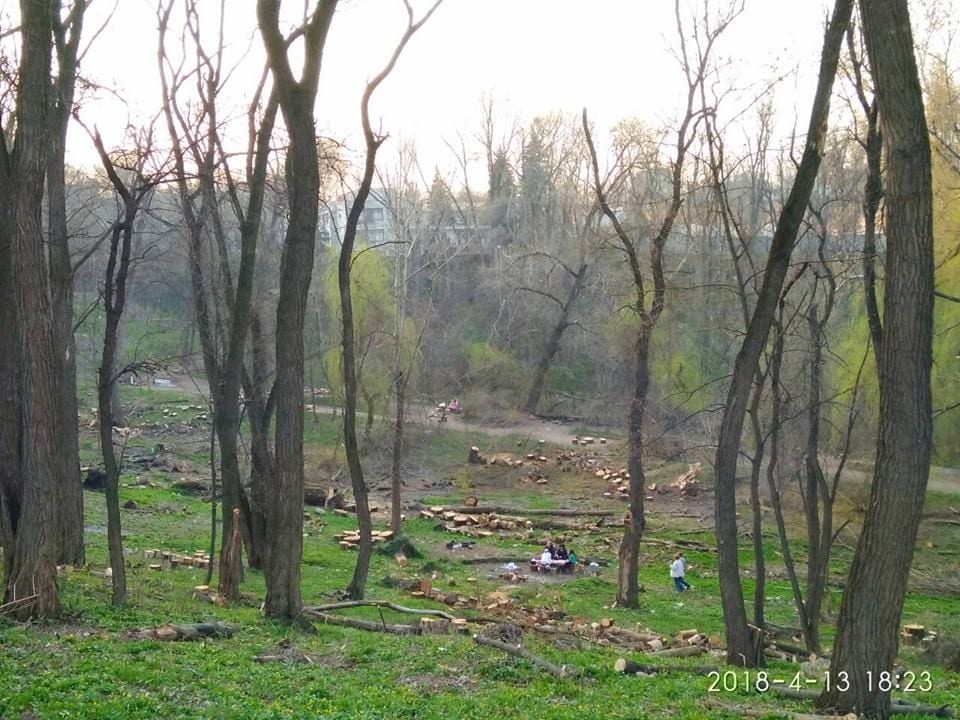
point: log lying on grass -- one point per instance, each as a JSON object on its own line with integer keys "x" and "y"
{"x": 194, "y": 631}
{"x": 519, "y": 651}
{"x": 427, "y": 625}
{"x": 331, "y": 619}
{"x": 382, "y": 604}
{"x": 629, "y": 667}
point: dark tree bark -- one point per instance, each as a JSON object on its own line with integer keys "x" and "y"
{"x": 70, "y": 505}
{"x": 743, "y": 647}
{"x": 872, "y": 194}
{"x": 31, "y": 562}
{"x": 556, "y": 335}
{"x": 756, "y": 533}
{"x": 357, "y": 586}
{"x": 223, "y": 328}
{"x": 695, "y": 69}
{"x": 869, "y": 621}
{"x": 296, "y": 102}
{"x": 114, "y": 301}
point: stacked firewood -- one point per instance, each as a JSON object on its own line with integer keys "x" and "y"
{"x": 350, "y": 539}
{"x": 485, "y": 524}
{"x": 199, "y": 559}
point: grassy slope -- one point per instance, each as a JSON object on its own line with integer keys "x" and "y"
{"x": 87, "y": 668}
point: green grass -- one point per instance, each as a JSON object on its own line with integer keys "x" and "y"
{"x": 87, "y": 667}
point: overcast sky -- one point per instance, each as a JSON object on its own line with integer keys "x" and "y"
{"x": 532, "y": 56}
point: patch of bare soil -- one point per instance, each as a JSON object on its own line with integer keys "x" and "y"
{"x": 433, "y": 683}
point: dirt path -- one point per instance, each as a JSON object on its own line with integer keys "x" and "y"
{"x": 555, "y": 432}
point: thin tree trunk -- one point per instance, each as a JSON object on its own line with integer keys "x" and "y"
{"x": 70, "y": 506}
{"x": 816, "y": 500}
{"x": 868, "y": 626}
{"x": 553, "y": 344}
{"x": 742, "y": 645}
{"x": 213, "y": 504}
{"x": 776, "y": 360}
{"x": 756, "y": 468}
{"x": 70, "y": 520}
{"x": 396, "y": 481}
{"x": 628, "y": 587}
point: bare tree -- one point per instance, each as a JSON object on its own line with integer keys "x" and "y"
{"x": 296, "y": 100}
{"x": 743, "y": 644}
{"x": 373, "y": 141}
{"x": 868, "y": 626}
{"x": 222, "y": 307}
{"x": 695, "y": 68}
{"x": 132, "y": 196}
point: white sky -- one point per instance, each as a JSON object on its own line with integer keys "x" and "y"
{"x": 533, "y": 56}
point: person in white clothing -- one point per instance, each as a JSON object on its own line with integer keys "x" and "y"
{"x": 677, "y": 570}
{"x": 546, "y": 557}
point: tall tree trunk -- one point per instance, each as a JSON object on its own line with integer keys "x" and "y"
{"x": 105, "y": 383}
{"x": 396, "y": 481}
{"x": 285, "y": 510}
{"x": 743, "y": 647}
{"x": 553, "y": 344}
{"x": 628, "y": 587}
{"x": 70, "y": 547}
{"x": 776, "y": 401}
{"x": 31, "y": 567}
{"x": 756, "y": 468}
{"x": 11, "y": 482}
{"x": 869, "y": 621}
{"x": 817, "y": 501}
{"x": 296, "y": 101}
{"x": 70, "y": 506}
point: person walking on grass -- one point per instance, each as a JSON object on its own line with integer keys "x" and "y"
{"x": 678, "y": 569}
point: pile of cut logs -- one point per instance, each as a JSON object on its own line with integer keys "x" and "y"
{"x": 168, "y": 559}
{"x": 484, "y": 524}
{"x": 578, "y": 461}
{"x": 604, "y": 632}
{"x": 619, "y": 479}
{"x": 350, "y": 539}
{"x": 587, "y": 440}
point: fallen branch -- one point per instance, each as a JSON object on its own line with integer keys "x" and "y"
{"x": 380, "y": 604}
{"x": 519, "y": 651}
{"x": 329, "y": 619}
{"x": 15, "y": 605}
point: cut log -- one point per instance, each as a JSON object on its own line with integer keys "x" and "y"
{"x": 475, "y": 458}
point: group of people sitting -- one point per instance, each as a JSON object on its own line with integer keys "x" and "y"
{"x": 555, "y": 557}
